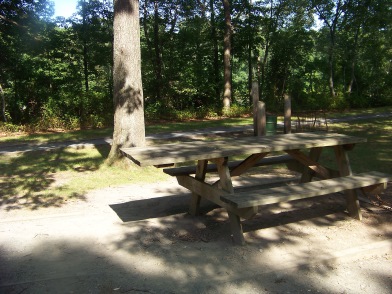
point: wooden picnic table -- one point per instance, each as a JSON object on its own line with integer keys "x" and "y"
{"x": 302, "y": 149}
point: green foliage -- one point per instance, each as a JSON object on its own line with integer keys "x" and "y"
{"x": 57, "y": 73}
{"x": 237, "y": 111}
{"x": 6, "y": 127}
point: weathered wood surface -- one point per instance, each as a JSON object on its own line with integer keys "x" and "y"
{"x": 321, "y": 171}
{"x": 188, "y": 170}
{"x": 305, "y": 190}
{"x": 196, "y": 150}
{"x": 213, "y": 194}
{"x": 345, "y": 170}
{"x": 201, "y": 170}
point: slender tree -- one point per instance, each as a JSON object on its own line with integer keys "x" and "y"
{"x": 4, "y": 118}
{"x": 129, "y": 129}
{"x": 214, "y": 38}
{"x": 227, "y": 56}
{"x": 331, "y": 12}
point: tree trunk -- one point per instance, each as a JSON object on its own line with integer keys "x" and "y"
{"x": 158, "y": 54}
{"x": 250, "y": 45}
{"x": 331, "y": 67}
{"x": 3, "y": 104}
{"x": 129, "y": 130}
{"x": 85, "y": 49}
{"x": 216, "y": 51}
{"x": 227, "y": 56}
{"x": 353, "y": 60}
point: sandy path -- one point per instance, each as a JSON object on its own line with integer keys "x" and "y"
{"x": 138, "y": 238}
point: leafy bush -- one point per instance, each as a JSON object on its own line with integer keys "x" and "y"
{"x": 236, "y": 111}
{"x": 6, "y": 127}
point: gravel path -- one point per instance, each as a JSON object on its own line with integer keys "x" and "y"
{"x": 139, "y": 239}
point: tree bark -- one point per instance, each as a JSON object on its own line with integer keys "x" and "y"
{"x": 129, "y": 129}
{"x": 216, "y": 51}
{"x": 158, "y": 54}
{"x": 331, "y": 53}
{"x": 85, "y": 49}
{"x": 227, "y": 56}
{"x": 250, "y": 57}
{"x": 332, "y": 23}
{"x": 353, "y": 60}
{"x": 3, "y": 104}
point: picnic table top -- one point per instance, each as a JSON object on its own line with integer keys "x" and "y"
{"x": 205, "y": 149}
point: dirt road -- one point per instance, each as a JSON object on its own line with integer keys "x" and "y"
{"x": 139, "y": 239}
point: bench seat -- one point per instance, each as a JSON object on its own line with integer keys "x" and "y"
{"x": 188, "y": 170}
{"x": 305, "y": 190}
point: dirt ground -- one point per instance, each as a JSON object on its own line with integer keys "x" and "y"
{"x": 140, "y": 239}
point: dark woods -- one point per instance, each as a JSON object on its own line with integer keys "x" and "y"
{"x": 57, "y": 72}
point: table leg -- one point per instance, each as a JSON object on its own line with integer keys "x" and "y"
{"x": 200, "y": 175}
{"x": 345, "y": 170}
{"x": 236, "y": 228}
{"x": 307, "y": 174}
{"x": 227, "y": 185}
{"x": 309, "y": 164}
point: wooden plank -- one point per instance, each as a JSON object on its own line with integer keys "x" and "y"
{"x": 247, "y": 164}
{"x": 304, "y": 190}
{"x": 345, "y": 170}
{"x": 200, "y": 176}
{"x": 195, "y": 150}
{"x": 224, "y": 175}
{"x": 188, "y": 170}
{"x": 227, "y": 186}
{"x": 375, "y": 189}
{"x": 321, "y": 171}
{"x": 307, "y": 174}
{"x": 212, "y": 194}
{"x": 236, "y": 228}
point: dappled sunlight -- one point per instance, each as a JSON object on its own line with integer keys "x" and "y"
{"x": 41, "y": 179}
{"x": 140, "y": 238}
{"x": 167, "y": 254}
{"x": 29, "y": 180}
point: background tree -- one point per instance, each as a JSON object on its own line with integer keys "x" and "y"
{"x": 227, "y": 56}
{"x": 327, "y": 54}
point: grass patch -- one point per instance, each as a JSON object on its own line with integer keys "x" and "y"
{"x": 364, "y": 111}
{"x": 55, "y": 136}
{"x": 376, "y": 154}
{"x": 40, "y": 179}
{"x": 155, "y": 128}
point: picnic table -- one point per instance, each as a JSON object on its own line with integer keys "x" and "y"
{"x": 301, "y": 152}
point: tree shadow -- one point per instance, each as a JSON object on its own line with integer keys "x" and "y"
{"x": 172, "y": 204}
{"x": 173, "y": 252}
{"x": 26, "y": 178}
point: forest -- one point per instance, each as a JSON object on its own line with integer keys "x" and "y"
{"x": 199, "y": 58}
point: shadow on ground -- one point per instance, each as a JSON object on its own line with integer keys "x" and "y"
{"x": 27, "y": 180}
{"x": 178, "y": 253}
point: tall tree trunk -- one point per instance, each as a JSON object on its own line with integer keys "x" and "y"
{"x": 263, "y": 66}
{"x": 85, "y": 49}
{"x": 227, "y": 56}
{"x": 332, "y": 23}
{"x": 331, "y": 53}
{"x": 129, "y": 129}
{"x": 216, "y": 51}
{"x": 250, "y": 45}
{"x": 353, "y": 60}
{"x": 158, "y": 54}
{"x": 3, "y": 104}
